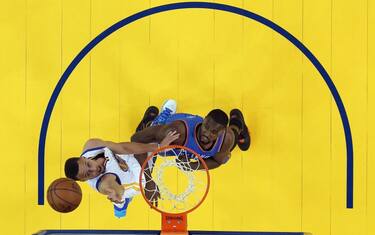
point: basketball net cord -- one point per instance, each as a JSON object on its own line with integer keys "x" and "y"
{"x": 182, "y": 162}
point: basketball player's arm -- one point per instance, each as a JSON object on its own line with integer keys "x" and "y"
{"x": 155, "y": 133}
{"x": 147, "y": 135}
{"x": 131, "y": 147}
{"x": 109, "y": 186}
{"x": 212, "y": 162}
{"x": 225, "y": 152}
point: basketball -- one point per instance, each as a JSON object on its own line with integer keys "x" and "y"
{"x": 64, "y": 195}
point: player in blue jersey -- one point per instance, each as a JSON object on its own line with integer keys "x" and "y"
{"x": 210, "y": 137}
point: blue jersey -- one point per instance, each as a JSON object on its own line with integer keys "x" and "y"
{"x": 191, "y": 123}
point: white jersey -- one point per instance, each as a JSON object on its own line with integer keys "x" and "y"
{"x": 129, "y": 178}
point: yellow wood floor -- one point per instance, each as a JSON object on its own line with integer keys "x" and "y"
{"x": 294, "y": 176}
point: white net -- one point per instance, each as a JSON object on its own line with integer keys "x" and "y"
{"x": 176, "y": 178}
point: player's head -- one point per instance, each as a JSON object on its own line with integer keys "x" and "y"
{"x": 82, "y": 169}
{"x": 213, "y": 124}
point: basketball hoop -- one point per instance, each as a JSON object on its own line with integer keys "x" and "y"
{"x": 180, "y": 177}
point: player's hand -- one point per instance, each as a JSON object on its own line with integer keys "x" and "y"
{"x": 114, "y": 196}
{"x": 152, "y": 193}
{"x": 169, "y": 138}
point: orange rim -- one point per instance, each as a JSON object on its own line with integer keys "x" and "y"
{"x": 169, "y": 147}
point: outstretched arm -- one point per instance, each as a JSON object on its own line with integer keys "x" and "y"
{"x": 131, "y": 147}
{"x": 147, "y": 135}
{"x": 154, "y": 133}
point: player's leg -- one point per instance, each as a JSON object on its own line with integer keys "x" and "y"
{"x": 241, "y": 132}
{"x": 150, "y": 114}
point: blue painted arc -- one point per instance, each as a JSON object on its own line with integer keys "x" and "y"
{"x": 204, "y": 5}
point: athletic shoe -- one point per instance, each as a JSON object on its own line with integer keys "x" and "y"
{"x": 169, "y": 107}
{"x": 150, "y": 114}
{"x": 243, "y": 140}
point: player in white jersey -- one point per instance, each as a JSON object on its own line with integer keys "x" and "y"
{"x": 113, "y": 168}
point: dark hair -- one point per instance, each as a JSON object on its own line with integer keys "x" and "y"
{"x": 219, "y": 116}
{"x": 71, "y": 168}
